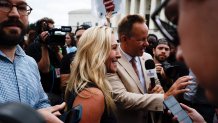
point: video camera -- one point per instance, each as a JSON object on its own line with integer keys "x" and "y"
{"x": 57, "y": 38}
{"x": 170, "y": 70}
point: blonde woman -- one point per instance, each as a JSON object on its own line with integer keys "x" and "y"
{"x": 97, "y": 54}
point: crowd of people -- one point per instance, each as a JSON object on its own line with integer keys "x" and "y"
{"x": 106, "y": 76}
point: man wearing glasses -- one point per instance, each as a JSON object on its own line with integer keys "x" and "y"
{"x": 131, "y": 89}
{"x": 19, "y": 75}
{"x": 197, "y": 43}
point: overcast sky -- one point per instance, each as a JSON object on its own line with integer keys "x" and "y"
{"x": 56, "y": 9}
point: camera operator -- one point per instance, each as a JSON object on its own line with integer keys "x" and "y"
{"x": 167, "y": 71}
{"x": 161, "y": 51}
{"x": 48, "y": 58}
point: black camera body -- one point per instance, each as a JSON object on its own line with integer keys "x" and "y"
{"x": 170, "y": 70}
{"x": 57, "y": 38}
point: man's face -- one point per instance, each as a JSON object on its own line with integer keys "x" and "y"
{"x": 12, "y": 25}
{"x": 197, "y": 28}
{"x": 136, "y": 43}
{"x": 79, "y": 34}
{"x": 161, "y": 52}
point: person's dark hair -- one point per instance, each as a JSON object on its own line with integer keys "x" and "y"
{"x": 31, "y": 31}
{"x": 152, "y": 38}
{"x": 72, "y": 37}
{"x": 126, "y": 24}
{"x": 82, "y": 27}
{"x": 31, "y": 26}
{"x": 40, "y": 23}
{"x": 161, "y": 41}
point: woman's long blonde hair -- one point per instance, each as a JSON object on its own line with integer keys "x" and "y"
{"x": 88, "y": 65}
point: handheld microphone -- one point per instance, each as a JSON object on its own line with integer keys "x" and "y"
{"x": 151, "y": 71}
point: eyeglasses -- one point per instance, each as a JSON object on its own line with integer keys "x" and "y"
{"x": 168, "y": 29}
{"x": 23, "y": 8}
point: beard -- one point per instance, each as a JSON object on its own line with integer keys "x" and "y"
{"x": 160, "y": 58}
{"x": 12, "y": 37}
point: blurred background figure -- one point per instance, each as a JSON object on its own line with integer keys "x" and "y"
{"x": 196, "y": 99}
{"x": 70, "y": 42}
{"x": 193, "y": 38}
{"x": 152, "y": 40}
{"x": 48, "y": 58}
{"x": 80, "y": 30}
{"x": 30, "y": 36}
{"x": 66, "y": 61}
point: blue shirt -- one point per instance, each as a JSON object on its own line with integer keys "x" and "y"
{"x": 196, "y": 95}
{"x": 20, "y": 81}
{"x": 189, "y": 96}
{"x": 71, "y": 49}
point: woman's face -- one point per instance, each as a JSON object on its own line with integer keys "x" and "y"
{"x": 68, "y": 40}
{"x": 111, "y": 62}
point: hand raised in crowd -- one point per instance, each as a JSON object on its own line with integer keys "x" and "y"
{"x": 108, "y": 15}
{"x": 50, "y": 114}
{"x": 108, "y": 18}
{"x": 160, "y": 70}
{"x": 179, "y": 86}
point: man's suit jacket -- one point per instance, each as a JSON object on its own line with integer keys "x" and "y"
{"x": 128, "y": 93}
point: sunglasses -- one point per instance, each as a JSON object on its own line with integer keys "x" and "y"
{"x": 167, "y": 29}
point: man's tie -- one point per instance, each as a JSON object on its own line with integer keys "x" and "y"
{"x": 133, "y": 62}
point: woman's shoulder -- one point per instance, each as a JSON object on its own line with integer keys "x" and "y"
{"x": 93, "y": 104}
{"x": 92, "y": 93}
